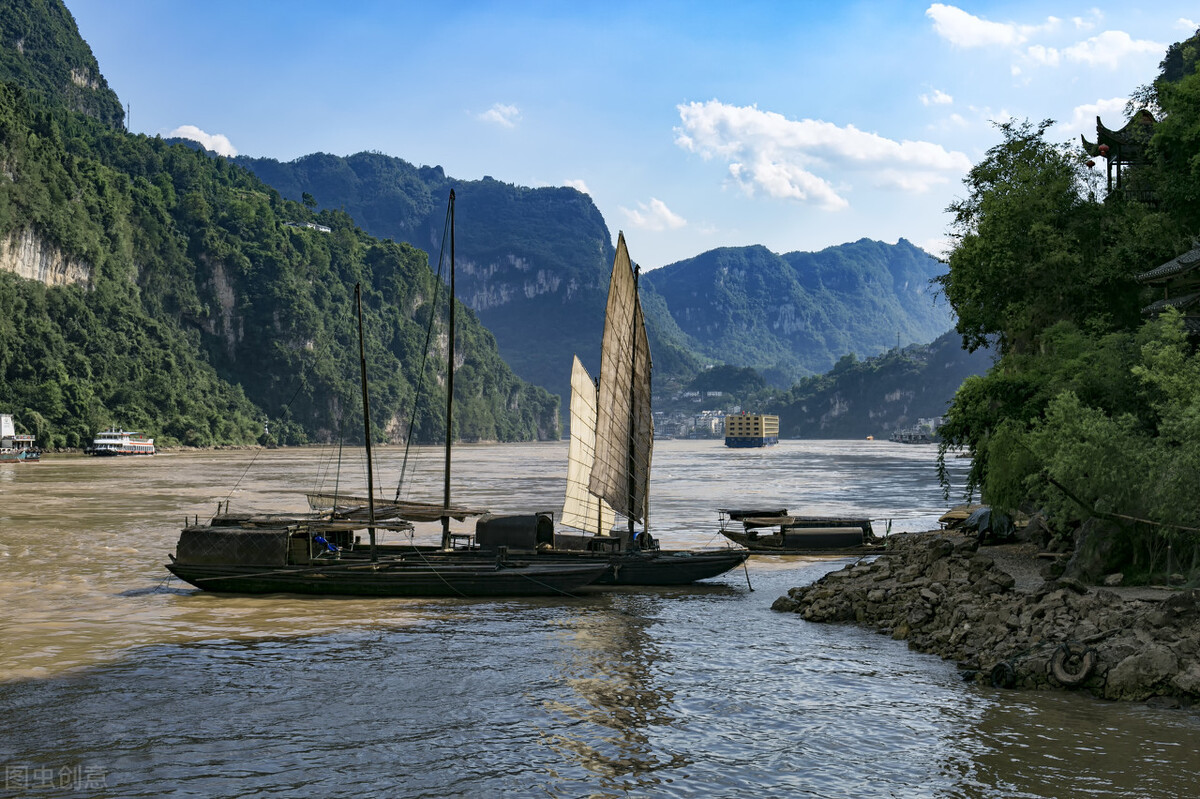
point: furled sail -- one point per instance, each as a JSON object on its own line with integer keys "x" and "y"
{"x": 581, "y": 510}
{"x": 625, "y": 427}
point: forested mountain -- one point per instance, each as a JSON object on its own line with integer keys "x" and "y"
{"x": 158, "y": 288}
{"x": 41, "y": 50}
{"x": 857, "y": 398}
{"x": 534, "y": 265}
{"x": 796, "y": 314}
{"x": 876, "y": 396}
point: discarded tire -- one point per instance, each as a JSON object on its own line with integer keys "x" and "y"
{"x": 1072, "y": 664}
{"x": 1004, "y": 675}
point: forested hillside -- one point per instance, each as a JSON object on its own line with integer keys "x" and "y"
{"x": 797, "y": 314}
{"x": 879, "y": 395}
{"x": 533, "y": 263}
{"x": 192, "y": 303}
{"x": 41, "y": 50}
{"x": 857, "y": 398}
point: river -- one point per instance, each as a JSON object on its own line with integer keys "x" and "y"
{"x": 117, "y": 680}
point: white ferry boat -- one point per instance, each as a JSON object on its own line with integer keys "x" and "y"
{"x": 16, "y": 447}
{"x": 121, "y": 442}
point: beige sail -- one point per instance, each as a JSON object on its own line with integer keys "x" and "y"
{"x": 625, "y": 427}
{"x": 581, "y": 510}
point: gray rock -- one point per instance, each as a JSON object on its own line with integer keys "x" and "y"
{"x": 1140, "y": 675}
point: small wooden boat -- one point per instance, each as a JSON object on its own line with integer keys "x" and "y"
{"x": 774, "y": 531}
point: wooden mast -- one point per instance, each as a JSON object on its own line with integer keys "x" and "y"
{"x": 362, "y": 368}
{"x": 630, "y": 444}
{"x": 449, "y": 392}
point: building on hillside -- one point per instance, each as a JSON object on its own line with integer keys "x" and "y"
{"x": 925, "y": 431}
{"x": 1122, "y": 149}
{"x": 1179, "y": 281}
{"x": 751, "y": 430}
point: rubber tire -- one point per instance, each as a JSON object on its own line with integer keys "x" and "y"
{"x": 1065, "y": 652}
{"x": 1004, "y": 675}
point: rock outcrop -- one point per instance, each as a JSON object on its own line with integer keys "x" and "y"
{"x": 943, "y": 595}
{"x": 26, "y": 254}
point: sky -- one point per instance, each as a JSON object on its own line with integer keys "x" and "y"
{"x": 795, "y": 125}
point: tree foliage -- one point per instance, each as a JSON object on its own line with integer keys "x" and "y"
{"x": 1091, "y": 411}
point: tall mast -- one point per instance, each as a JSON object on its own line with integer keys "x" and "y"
{"x": 599, "y": 501}
{"x": 449, "y": 392}
{"x": 630, "y": 447}
{"x": 362, "y": 368}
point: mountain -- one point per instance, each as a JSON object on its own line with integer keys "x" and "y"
{"x": 41, "y": 50}
{"x": 156, "y": 287}
{"x": 534, "y": 265}
{"x": 796, "y": 314}
{"x": 876, "y": 396}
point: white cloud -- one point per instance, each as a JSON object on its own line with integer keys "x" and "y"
{"x": 1109, "y": 48}
{"x": 1083, "y": 118}
{"x": 653, "y": 216}
{"x": 1043, "y": 56}
{"x": 217, "y": 142}
{"x": 801, "y": 159}
{"x": 1186, "y": 25}
{"x": 1094, "y": 18}
{"x": 506, "y": 116}
{"x": 938, "y": 97}
{"x": 938, "y": 246}
{"x": 579, "y": 185}
{"x": 967, "y": 30}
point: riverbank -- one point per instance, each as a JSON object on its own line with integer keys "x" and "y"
{"x": 989, "y": 610}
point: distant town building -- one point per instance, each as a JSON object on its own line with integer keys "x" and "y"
{"x": 309, "y": 226}
{"x": 925, "y": 431}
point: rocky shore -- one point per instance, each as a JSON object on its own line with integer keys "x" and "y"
{"x": 990, "y": 610}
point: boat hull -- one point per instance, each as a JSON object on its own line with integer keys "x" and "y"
{"x": 670, "y": 567}
{"x": 392, "y": 579}
{"x": 635, "y": 568}
{"x": 834, "y": 541}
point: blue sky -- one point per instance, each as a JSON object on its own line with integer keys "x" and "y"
{"x": 794, "y": 125}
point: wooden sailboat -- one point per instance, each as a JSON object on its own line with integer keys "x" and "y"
{"x": 608, "y": 471}
{"x": 317, "y": 553}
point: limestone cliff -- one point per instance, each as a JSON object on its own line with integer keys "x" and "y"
{"x": 26, "y": 254}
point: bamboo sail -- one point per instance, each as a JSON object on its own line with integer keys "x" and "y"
{"x": 625, "y": 426}
{"x": 581, "y": 509}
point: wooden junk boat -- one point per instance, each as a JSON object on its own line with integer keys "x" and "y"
{"x": 608, "y": 468}
{"x": 774, "y": 531}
